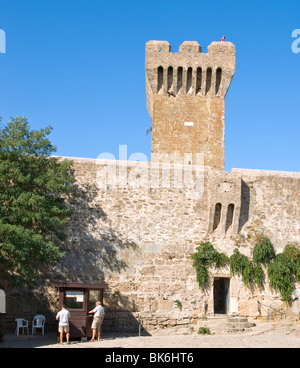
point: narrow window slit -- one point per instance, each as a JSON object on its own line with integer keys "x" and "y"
{"x": 160, "y": 78}
{"x": 229, "y": 217}
{"x": 179, "y": 78}
{"x": 170, "y": 79}
{"x": 199, "y": 80}
{"x": 208, "y": 80}
{"x": 218, "y": 79}
{"x": 189, "y": 80}
{"x": 217, "y": 216}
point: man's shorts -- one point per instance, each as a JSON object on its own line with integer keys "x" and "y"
{"x": 63, "y": 329}
{"x": 97, "y": 322}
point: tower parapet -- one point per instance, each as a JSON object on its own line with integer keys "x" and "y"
{"x": 185, "y": 98}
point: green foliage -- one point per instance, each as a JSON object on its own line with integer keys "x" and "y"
{"x": 178, "y": 303}
{"x": 205, "y": 257}
{"x": 296, "y": 269}
{"x": 204, "y": 331}
{"x": 263, "y": 251}
{"x": 280, "y": 275}
{"x": 291, "y": 252}
{"x": 149, "y": 130}
{"x": 116, "y": 294}
{"x": 283, "y": 269}
{"x": 220, "y": 259}
{"x": 258, "y": 275}
{"x": 33, "y": 214}
{"x": 252, "y": 272}
{"x": 240, "y": 265}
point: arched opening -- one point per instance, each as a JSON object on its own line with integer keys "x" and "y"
{"x": 217, "y": 215}
{"x": 179, "y": 78}
{"x": 160, "y": 78}
{"x": 189, "y": 80}
{"x": 218, "y": 79}
{"x": 208, "y": 80}
{"x": 199, "y": 80}
{"x": 170, "y": 79}
{"x": 229, "y": 217}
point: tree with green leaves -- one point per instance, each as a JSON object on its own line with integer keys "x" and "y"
{"x": 33, "y": 189}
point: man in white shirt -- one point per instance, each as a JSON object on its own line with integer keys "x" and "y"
{"x": 63, "y": 317}
{"x": 97, "y": 321}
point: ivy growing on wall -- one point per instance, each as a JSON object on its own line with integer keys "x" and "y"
{"x": 263, "y": 251}
{"x": 240, "y": 265}
{"x": 282, "y": 269}
{"x": 252, "y": 272}
{"x": 205, "y": 257}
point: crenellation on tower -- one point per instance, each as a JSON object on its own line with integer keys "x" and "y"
{"x": 190, "y": 47}
{"x": 185, "y": 98}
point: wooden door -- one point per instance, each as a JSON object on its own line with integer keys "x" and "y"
{"x": 75, "y": 301}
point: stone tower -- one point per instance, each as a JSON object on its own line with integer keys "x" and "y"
{"x": 185, "y": 99}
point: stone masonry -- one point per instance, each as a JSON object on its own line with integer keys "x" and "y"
{"x": 140, "y": 239}
{"x": 185, "y": 99}
{"x": 135, "y": 224}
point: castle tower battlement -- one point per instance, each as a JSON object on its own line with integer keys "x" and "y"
{"x": 185, "y": 99}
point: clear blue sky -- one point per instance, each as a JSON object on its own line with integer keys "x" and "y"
{"x": 79, "y": 66}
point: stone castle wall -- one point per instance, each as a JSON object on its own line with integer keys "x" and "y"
{"x": 135, "y": 225}
{"x": 140, "y": 239}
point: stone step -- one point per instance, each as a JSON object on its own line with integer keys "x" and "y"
{"x": 242, "y": 325}
{"x": 237, "y": 330}
{"x": 236, "y": 319}
{"x": 236, "y": 324}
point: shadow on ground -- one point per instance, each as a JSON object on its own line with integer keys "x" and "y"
{"x": 50, "y": 340}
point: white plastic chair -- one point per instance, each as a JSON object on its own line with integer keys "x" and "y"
{"x": 21, "y": 324}
{"x": 38, "y": 322}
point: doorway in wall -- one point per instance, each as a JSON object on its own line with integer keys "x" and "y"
{"x": 221, "y": 295}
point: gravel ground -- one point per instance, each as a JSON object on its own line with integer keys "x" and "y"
{"x": 261, "y": 337}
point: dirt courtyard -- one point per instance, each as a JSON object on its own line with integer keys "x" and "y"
{"x": 262, "y": 336}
